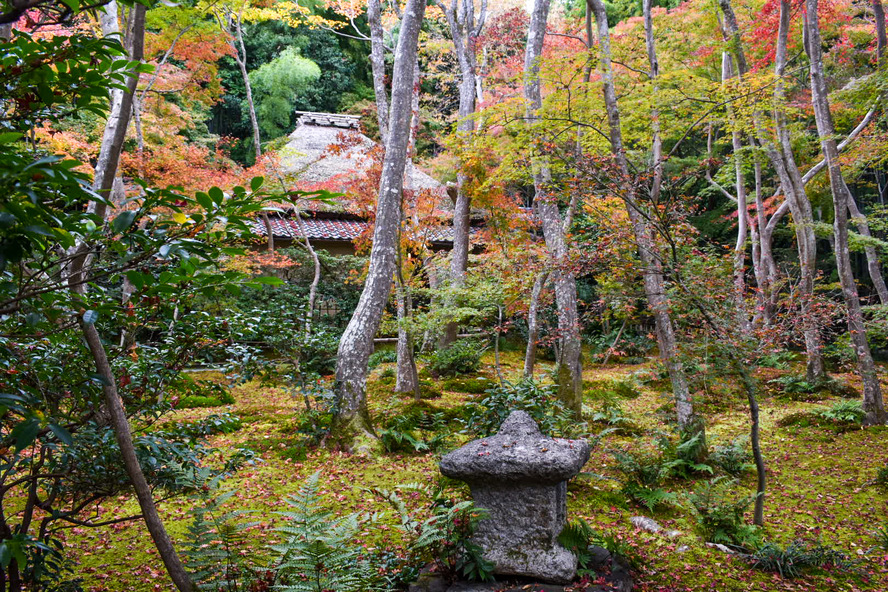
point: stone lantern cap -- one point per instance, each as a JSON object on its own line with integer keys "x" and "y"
{"x": 519, "y": 452}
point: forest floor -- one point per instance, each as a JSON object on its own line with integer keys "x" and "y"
{"x": 818, "y": 486}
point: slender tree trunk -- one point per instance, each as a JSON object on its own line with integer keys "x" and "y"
{"x": 654, "y": 281}
{"x": 352, "y": 418}
{"x": 881, "y": 39}
{"x": 106, "y": 170}
{"x": 124, "y": 437}
{"x": 533, "y": 331}
{"x": 464, "y": 32}
{"x": 872, "y": 393}
{"x": 742, "y": 208}
{"x": 873, "y": 265}
{"x": 235, "y": 22}
{"x": 377, "y": 64}
{"x": 792, "y": 183}
{"x": 407, "y": 374}
{"x": 569, "y": 366}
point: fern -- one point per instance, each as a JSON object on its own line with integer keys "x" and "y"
{"x": 318, "y": 553}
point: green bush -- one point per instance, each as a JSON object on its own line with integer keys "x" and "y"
{"x": 779, "y": 360}
{"x": 483, "y": 418}
{"x": 461, "y": 357}
{"x": 798, "y": 558}
{"x": 577, "y": 536}
{"x": 613, "y": 416}
{"x": 418, "y": 431}
{"x": 720, "y": 514}
{"x": 628, "y": 347}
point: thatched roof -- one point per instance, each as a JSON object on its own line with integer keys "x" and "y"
{"x": 329, "y": 147}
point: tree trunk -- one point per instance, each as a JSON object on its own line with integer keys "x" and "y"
{"x": 407, "y": 374}
{"x": 872, "y": 256}
{"x": 881, "y": 39}
{"x": 124, "y": 437}
{"x": 464, "y": 32}
{"x": 106, "y": 170}
{"x": 533, "y": 332}
{"x": 352, "y": 418}
{"x": 240, "y": 56}
{"x": 872, "y": 393}
{"x": 569, "y": 366}
{"x": 654, "y": 281}
{"x": 742, "y": 208}
{"x": 792, "y": 183}
{"x": 377, "y": 65}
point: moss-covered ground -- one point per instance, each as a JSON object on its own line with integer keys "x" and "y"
{"x": 818, "y": 487}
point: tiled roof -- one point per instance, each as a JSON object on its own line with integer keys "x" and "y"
{"x": 337, "y": 229}
{"x": 329, "y": 119}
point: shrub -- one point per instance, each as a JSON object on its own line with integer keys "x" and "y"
{"x": 798, "y": 388}
{"x": 799, "y": 557}
{"x": 733, "y": 458}
{"x": 382, "y": 356}
{"x": 461, "y": 357}
{"x": 628, "y": 346}
{"x": 683, "y": 456}
{"x": 210, "y": 425}
{"x": 720, "y": 514}
{"x": 483, "y": 418}
{"x": 779, "y": 360}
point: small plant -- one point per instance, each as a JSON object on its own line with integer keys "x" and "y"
{"x": 613, "y": 416}
{"x": 223, "y": 423}
{"x": 318, "y": 552}
{"x": 732, "y": 458}
{"x": 799, "y": 388}
{"x": 409, "y": 433}
{"x": 578, "y": 536}
{"x": 461, "y": 357}
{"x": 484, "y": 418}
{"x": 643, "y": 476}
{"x": 881, "y": 536}
{"x": 843, "y": 412}
{"x": 382, "y": 356}
{"x": 881, "y": 480}
{"x": 720, "y": 514}
{"x": 445, "y": 537}
{"x": 797, "y": 558}
{"x": 779, "y": 360}
{"x": 682, "y": 457}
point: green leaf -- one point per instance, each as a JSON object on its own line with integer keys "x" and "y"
{"x": 61, "y": 433}
{"x": 256, "y": 183}
{"x": 268, "y": 280}
{"x": 204, "y": 200}
{"x": 9, "y": 137}
{"x": 25, "y": 433}
{"x": 217, "y": 195}
{"x": 124, "y": 220}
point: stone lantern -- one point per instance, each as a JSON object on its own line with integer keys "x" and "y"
{"x": 520, "y": 477}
